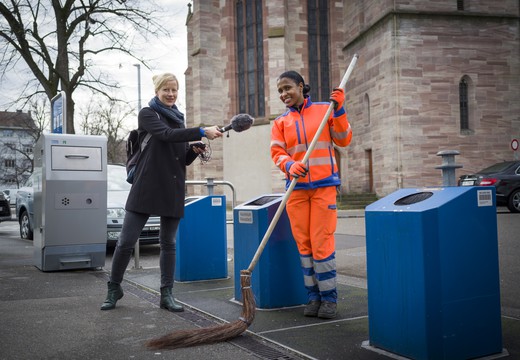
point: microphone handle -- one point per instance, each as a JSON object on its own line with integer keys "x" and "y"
{"x": 226, "y": 128}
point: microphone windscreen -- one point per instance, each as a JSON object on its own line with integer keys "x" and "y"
{"x": 241, "y": 122}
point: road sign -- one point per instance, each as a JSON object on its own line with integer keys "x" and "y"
{"x": 514, "y": 144}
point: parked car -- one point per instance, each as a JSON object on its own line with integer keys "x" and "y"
{"x": 11, "y": 194}
{"x": 24, "y": 209}
{"x": 505, "y": 177}
{"x": 117, "y": 193}
{"x": 5, "y": 208}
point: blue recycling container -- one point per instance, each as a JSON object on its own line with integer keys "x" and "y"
{"x": 202, "y": 240}
{"x": 433, "y": 274}
{"x": 277, "y": 279}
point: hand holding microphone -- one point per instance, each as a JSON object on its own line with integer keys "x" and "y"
{"x": 212, "y": 132}
{"x": 239, "y": 122}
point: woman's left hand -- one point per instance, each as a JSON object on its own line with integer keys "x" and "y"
{"x": 198, "y": 147}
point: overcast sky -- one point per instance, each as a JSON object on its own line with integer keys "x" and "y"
{"x": 168, "y": 55}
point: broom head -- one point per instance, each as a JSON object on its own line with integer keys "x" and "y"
{"x": 201, "y": 336}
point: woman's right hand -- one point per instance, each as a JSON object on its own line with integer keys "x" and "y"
{"x": 212, "y": 132}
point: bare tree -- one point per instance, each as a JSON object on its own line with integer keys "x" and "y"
{"x": 108, "y": 118}
{"x": 59, "y": 40}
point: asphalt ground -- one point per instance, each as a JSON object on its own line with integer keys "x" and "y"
{"x": 55, "y": 315}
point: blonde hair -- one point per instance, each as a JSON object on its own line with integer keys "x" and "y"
{"x": 161, "y": 79}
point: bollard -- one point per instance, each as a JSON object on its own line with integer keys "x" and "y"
{"x": 448, "y": 167}
{"x": 210, "y": 184}
{"x": 136, "y": 256}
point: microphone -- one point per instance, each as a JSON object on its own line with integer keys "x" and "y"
{"x": 239, "y": 122}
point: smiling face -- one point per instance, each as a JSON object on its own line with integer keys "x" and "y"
{"x": 290, "y": 92}
{"x": 167, "y": 93}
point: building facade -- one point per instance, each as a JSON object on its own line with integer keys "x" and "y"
{"x": 431, "y": 76}
{"x": 17, "y": 137}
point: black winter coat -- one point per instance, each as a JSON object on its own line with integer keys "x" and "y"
{"x": 159, "y": 182}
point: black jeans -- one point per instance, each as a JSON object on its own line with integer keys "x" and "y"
{"x": 132, "y": 227}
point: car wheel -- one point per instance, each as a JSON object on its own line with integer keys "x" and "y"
{"x": 514, "y": 201}
{"x": 25, "y": 227}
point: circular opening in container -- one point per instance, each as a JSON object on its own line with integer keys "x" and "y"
{"x": 413, "y": 198}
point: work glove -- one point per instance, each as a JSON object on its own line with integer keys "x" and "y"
{"x": 298, "y": 169}
{"x": 337, "y": 96}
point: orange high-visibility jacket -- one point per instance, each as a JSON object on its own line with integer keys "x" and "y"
{"x": 292, "y": 133}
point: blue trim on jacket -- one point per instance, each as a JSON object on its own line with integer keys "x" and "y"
{"x": 332, "y": 180}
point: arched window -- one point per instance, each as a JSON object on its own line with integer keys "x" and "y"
{"x": 464, "y": 104}
{"x": 318, "y": 43}
{"x": 250, "y": 58}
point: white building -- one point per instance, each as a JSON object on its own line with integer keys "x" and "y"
{"x": 17, "y": 137}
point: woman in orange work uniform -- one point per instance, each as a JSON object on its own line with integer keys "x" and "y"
{"x": 311, "y": 207}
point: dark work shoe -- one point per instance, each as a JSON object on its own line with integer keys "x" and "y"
{"x": 311, "y": 309}
{"x": 328, "y": 310}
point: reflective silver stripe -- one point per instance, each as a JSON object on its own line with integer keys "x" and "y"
{"x": 325, "y": 266}
{"x": 280, "y": 159}
{"x": 322, "y": 145}
{"x": 321, "y": 161}
{"x": 309, "y": 281}
{"x": 306, "y": 261}
{"x": 278, "y": 143}
{"x": 341, "y": 135}
{"x": 296, "y": 149}
{"x": 327, "y": 285}
{"x": 303, "y": 148}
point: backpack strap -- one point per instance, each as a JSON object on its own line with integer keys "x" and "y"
{"x": 145, "y": 141}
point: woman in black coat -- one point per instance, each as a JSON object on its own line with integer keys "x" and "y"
{"x": 158, "y": 186}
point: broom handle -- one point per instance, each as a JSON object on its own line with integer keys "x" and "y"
{"x": 295, "y": 180}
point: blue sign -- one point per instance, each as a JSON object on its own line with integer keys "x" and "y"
{"x": 58, "y": 113}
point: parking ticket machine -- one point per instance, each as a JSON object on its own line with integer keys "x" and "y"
{"x": 70, "y": 201}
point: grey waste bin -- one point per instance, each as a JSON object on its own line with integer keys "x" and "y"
{"x": 277, "y": 280}
{"x": 70, "y": 202}
{"x": 432, "y": 272}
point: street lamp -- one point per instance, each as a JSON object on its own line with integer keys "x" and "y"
{"x": 138, "y": 87}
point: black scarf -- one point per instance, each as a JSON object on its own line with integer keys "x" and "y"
{"x": 170, "y": 113}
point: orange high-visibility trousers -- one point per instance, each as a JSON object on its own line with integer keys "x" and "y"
{"x": 313, "y": 218}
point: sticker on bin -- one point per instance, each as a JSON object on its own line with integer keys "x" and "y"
{"x": 245, "y": 217}
{"x": 216, "y": 201}
{"x": 485, "y": 198}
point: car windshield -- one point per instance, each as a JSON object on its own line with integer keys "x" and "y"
{"x": 497, "y": 168}
{"x": 116, "y": 178}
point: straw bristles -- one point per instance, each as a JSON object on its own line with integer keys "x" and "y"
{"x": 186, "y": 338}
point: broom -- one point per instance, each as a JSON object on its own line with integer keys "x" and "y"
{"x": 186, "y": 338}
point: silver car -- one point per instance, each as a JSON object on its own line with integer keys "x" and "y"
{"x": 117, "y": 193}
{"x": 118, "y": 190}
{"x": 11, "y": 194}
